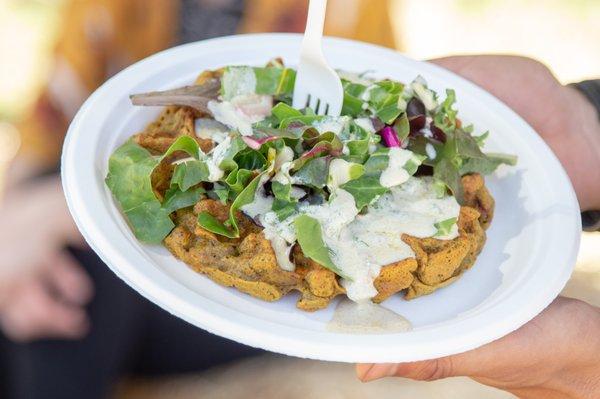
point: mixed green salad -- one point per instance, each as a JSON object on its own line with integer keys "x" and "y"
{"x": 292, "y": 158}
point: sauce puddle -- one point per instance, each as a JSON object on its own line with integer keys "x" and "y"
{"x": 366, "y": 317}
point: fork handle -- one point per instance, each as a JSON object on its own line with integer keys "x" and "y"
{"x": 314, "y": 26}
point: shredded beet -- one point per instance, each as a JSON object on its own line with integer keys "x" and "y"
{"x": 390, "y": 137}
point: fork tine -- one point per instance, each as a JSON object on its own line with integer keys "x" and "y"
{"x": 319, "y": 106}
{"x": 312, "y": 102}
{"x": 322, "y": 108}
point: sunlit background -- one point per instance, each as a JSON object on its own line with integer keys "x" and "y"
{"x": 564, "y": 34}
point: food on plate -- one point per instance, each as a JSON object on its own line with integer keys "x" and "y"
{"x": 387, "y": 198}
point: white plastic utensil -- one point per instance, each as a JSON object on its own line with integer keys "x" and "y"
{"x": 317, "y": 85}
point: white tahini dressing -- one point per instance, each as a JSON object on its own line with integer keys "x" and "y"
{"x": 182, "y": 160}
{"x": 365, "y": 123}
{"x": 238, "y": 81}
{"x": 259, "y": 208}
{"x": 395, "y": 174}
{"x": 430, "y": 150}
{"x": 366, "y": 96}
{"x": 283, "y": 164}
{"x": 412, "y": 208}
{"x": 366, "y": 317}
{"x": 242, "y": 111}
{"x": 361, "y": 244}
{"x": 332, "y": 124}
{"x": 208, "y": 128}
{"x": 215, "y": 157}
{"x": 340, "y": 172}
{"x": 355, "y": 77}
{"x": 262, "y": 203}
{"x": 419, "y": 87}
{"x": 281, "y": 237}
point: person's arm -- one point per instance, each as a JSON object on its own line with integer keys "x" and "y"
{"x": 591, "y": 89}
{"x": 556, "y": 354}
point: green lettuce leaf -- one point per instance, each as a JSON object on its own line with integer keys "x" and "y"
{"x": 228, "y": 163}
{"x": 357, "y": 141}
{"x": 283, "y": 111}
{"x": 402, "y": 127}
{"x": 313, "y": 173}
{"x": 481, "y": 138}
{"x": 186, "y": 144}
{"x": 445, "y": 118}
{"x": 212, "y": 224}
{"x": 271, "y": 80}
{"x": 176, "y": 199}
{"x": 365, "y": 190}
{"x": 388, "y": 110}
{"x": 377, "y": 162}
{"x": 444, "y": 227}
{"x": 466, "y": 145}
{"x": 310, "y": 238}
{"x": 188, "y": 174}
{"x": 220, "y": 192}
{"x": 352, "y": 106}
{"x": 275, "y": 81}
{"x": 250, "y": 159}
{"x": 283, "y": 205}
{"x": 447, "y": 172}
{"x": 230, "y": 228}
{"x": 129, "y": 170}
{"x": 487, "y": 165}
{"x": 238, "y": 178}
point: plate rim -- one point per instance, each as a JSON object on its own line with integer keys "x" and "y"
{"x": 253, "y": 336}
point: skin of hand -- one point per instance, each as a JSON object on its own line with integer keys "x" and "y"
{"x": 561, "y": 115}
{"x": 556, "y": 354}
{"x": 553, "y": 356}
{"x": 43, "y": 290}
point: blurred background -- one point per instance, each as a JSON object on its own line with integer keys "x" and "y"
{"x": 45, "y": 43}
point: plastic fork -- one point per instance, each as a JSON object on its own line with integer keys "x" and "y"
{"x": 317, "y": 85}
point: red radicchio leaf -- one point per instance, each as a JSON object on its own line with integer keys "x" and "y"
{"x": 316, "y": 151}
{"x": 438, "y": 133}
{"x": 416, "y": 123}
{"x": 415, "y": 107}
{"x": 415, "y": 111}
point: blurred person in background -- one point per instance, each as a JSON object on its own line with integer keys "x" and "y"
{"x": 72, "y": 327}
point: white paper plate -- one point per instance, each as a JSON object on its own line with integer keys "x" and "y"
{"x": 531, "y": 248}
